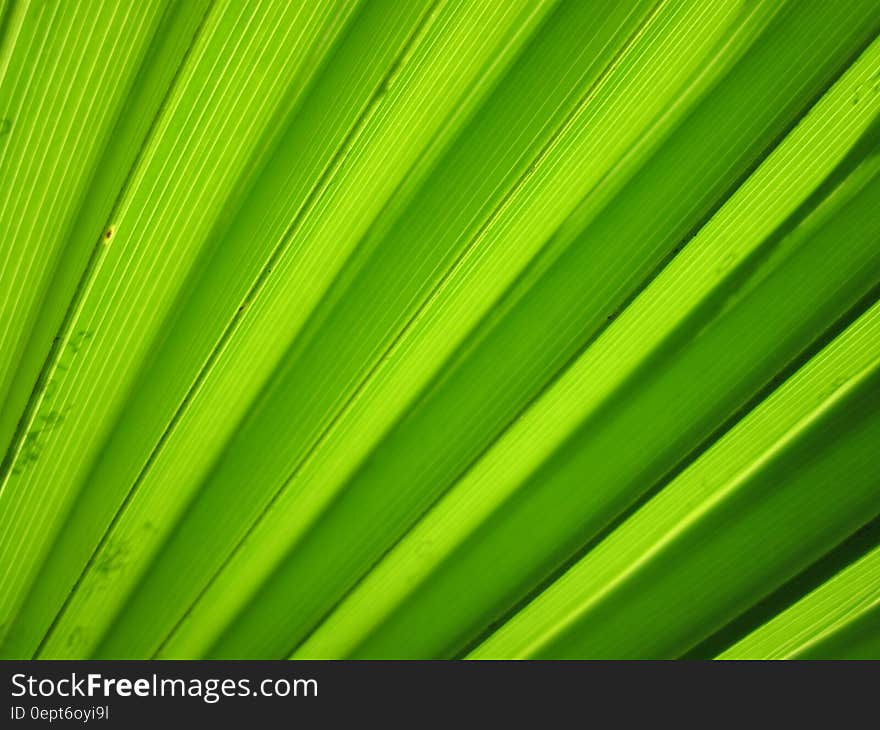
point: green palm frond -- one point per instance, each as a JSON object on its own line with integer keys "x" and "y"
{"x": 360, "y": 328}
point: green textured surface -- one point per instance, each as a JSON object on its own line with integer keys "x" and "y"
{"x": 360, "y": 328}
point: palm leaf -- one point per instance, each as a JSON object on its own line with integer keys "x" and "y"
{"x": 431, "y": 329}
